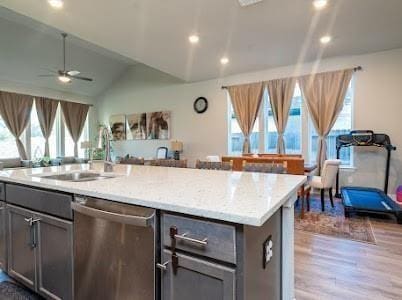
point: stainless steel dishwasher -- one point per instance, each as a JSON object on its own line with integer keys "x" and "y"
{"x": 114, "y": 250}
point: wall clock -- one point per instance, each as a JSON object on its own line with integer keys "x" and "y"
{"x": 201, "y": 105}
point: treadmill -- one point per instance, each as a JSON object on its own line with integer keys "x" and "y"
{"x": 366, "y": 199}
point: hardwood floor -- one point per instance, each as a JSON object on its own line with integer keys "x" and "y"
{"x": 332, "y": 268}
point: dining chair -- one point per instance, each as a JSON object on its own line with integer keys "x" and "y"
{"x": 213, "y": 158}
{"x": 172, "y": 163}
{"x": 326, "y": 180}
{"x": 275, "y": 168}
{"x": 214, "y": 165}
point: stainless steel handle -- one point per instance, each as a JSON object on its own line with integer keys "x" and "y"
{"x": 184, "y": 237}
{"x": 28, "y": 220}
{"x": 115, "y": 217}
{"x": 163, "y": 266}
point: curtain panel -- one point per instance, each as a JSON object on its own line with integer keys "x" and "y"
{"x": 46, "y": 110}
{"x": 324, "y": 94}
{"x": 75, "y": 115}
{"x": 280, "y": 96}
{"x": 246, "y": 101}
{"x": 15, "y": 109}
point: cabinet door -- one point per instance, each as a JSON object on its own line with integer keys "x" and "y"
{"x": 21, "y": 248}
{"x": 3, "y": 241}
{"x": 197, "y": 279}
{"x": 54, "y": 257}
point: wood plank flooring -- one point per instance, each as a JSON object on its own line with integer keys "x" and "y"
{"x": 332, "y": 268}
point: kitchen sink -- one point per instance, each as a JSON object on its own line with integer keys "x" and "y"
{"x": 78, "y": 176}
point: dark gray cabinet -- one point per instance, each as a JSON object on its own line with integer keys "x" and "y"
{"x": 3, "y": 232}
{"x": 21, "y": 250}
{"x": 197, "y": 279}
{"x": 40, "y": 252}
{"x": 54, "y": 257}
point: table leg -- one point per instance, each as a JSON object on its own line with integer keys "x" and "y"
{"x": 302, "y": 201}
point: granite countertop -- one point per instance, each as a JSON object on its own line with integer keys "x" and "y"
{"x": 238, "y": 197}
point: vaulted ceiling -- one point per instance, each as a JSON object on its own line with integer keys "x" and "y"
{"x": 268, "y": 34}
{"x": 29, "y": 48}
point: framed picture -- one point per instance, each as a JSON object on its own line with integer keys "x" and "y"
{"x": 137, "y": 126}
{"x": 118, "y": 127}
{"x": 158, "y": 125}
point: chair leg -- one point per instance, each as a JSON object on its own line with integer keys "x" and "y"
{"x": 308, "y": 201}
{"x": 331, "y": 197}
{"x": 322, "y": 200}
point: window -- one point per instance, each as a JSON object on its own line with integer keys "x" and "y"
{"x": 236, "y": 137}
{"x": 35, "y": 142}
{"x": 300, "y": 136}
{"x": 8, "y": 147}
{"x": 37, "y": 139}
{"x": 69, "y": 143}
{"x": 293, "y": 129}
{"x": 343, "y": 125}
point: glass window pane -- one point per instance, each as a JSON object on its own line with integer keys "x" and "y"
{"x": 343, "y": 125}
{"x": 292, "y": 134}
{"x": 8, "y": 147}
{"x": 69, "y": 143}
{"x": 37, "y": 139}
{"x": 237, "y": 138}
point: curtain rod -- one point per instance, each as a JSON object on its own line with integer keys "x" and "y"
{"x": 355, "y": 69}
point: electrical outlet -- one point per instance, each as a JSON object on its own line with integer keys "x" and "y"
{"x": 267, "y": 249}
{"x": 350, "y": 179}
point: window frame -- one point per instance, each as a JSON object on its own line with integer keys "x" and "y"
{"x": 60, "y": 135}
{"x": 305, "y": 130}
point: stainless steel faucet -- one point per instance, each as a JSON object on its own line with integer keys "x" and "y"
{"x": 105, "y": 136}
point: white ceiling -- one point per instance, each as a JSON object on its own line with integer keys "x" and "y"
{"x": 28, "y": 48}
{"x": 268, "y": 34}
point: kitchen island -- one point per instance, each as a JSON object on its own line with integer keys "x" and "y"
{"x": 229, "y": 233}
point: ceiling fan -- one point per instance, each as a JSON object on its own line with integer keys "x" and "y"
{"x": 64, "y": 75}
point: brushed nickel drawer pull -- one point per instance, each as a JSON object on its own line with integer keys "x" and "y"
{"x": 184, "y": 237}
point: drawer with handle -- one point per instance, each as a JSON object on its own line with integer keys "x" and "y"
{"x": 210, "y": 239}
{"x": 2, "y": 191}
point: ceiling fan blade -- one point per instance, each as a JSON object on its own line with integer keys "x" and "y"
{"x": 47, "y": 75}
{"x": 73, "y": 72}
{"x": 82, "y": 78}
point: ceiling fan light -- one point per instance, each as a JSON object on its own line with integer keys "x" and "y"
{"x": 58, "y": 4}
{"x": 64, "y": 79}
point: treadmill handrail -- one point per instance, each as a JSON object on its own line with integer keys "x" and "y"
{"x": 114, "y": 217}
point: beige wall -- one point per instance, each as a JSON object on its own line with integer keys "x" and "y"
{"x": 377, "y": 106}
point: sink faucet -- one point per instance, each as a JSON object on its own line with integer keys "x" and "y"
{"x": 105, "y": 136}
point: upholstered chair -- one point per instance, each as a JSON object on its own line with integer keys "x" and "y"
{"x": 214, "y": 165}
{"x": 173, "y": 163}
{"x": 276, "y": 168}
{"x": 326, "y": 180}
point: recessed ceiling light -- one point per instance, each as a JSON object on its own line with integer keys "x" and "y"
{"x": 224, "y": 60}
{"x": 56, "y": 3}
{"x": 325, "y": 39}
{"x": 320, "y": 4}
{"x": 64, "y": 79}
{"x": 194, "y": 39}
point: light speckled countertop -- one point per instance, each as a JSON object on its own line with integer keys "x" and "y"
{"x": 244, "y": 198}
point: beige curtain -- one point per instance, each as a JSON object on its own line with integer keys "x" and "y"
{"x": 75, "y": 115}
{"x": 15, "y": 109}
{"x": 246, "y": 101}
{"x": 46, "y": 110}
{"x": 280, "y": 96}
{"x": 324, "y": 94}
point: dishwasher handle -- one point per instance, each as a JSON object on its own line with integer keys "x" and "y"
{"x": 141, "y": 221}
